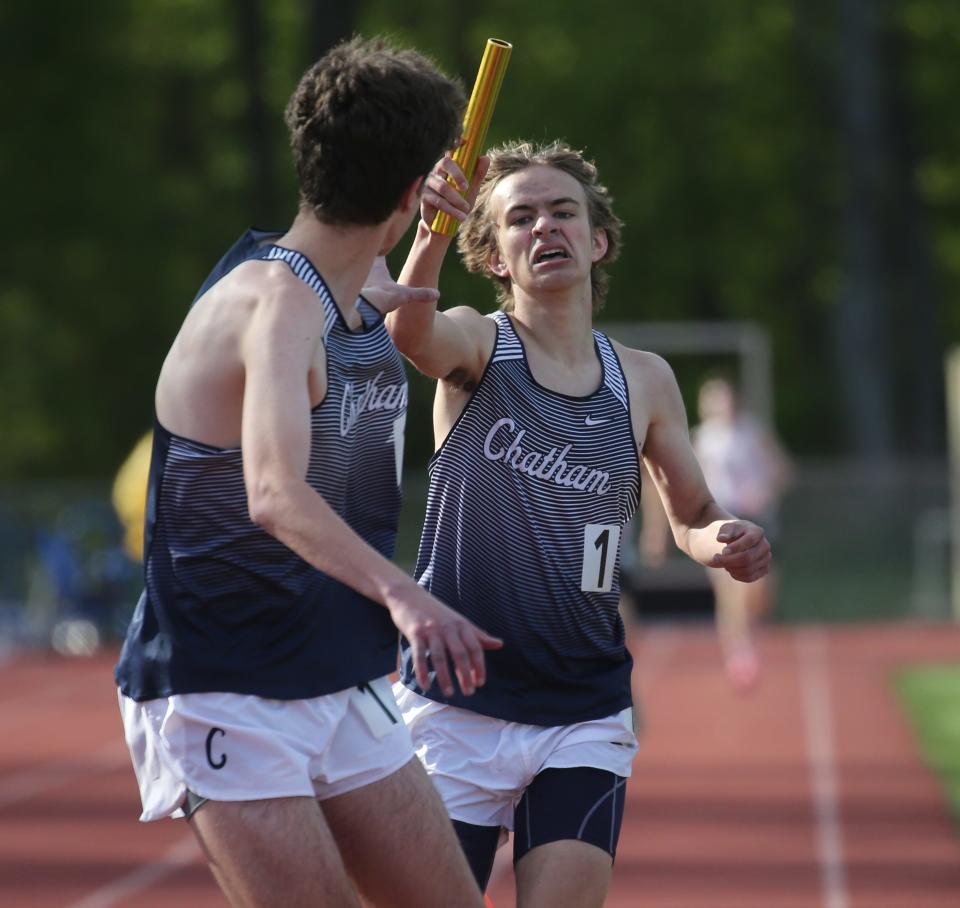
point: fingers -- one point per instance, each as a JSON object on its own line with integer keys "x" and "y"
{"x": 387, "y": 298}
{"x": 440, "y": 663}
{"x": 475, "y": 641}
{"x": 471, "y": 672}
{"x": 421, "y": 670}
{"x": 404, "y": 296}
{"x": 422, "y": 295}
{"x": 440, "y": 190}
{"x": 447, "y": 189}
{"x": 449, "y": 170}
{"x": 462, "y": 650}
{"x": 749, "y": 565}
{"x": 739, "y": 536}
{"x": 751, "y": 572}
{"x": 744, "y": 564}
{"x": 483, "y": 164}
{"x": 731, "y": 531}
{"x": 460, "y": 644}
{"x": 440, "y": 638}
{"x": 488, "y": 641}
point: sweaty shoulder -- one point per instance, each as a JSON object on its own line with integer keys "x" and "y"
{"x": 254, "y": 311}
{"x": 654, "y": 393}
{"x": 476, "y": 325}
{"x": 259, "y": 284}
{"x": 640, "y": 366}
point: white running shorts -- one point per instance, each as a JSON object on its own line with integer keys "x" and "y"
{"x": 237, "y": 747}
{"x": 481, "y": 766}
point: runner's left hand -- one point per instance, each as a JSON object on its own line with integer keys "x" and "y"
{"x": 385, "y": 294}
{"x": 745, "y": 555}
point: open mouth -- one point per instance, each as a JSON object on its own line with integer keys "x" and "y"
{"x": 550, "y": 255}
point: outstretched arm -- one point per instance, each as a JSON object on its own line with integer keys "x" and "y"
{"x": 281, "y": 348}
{"x": 701, "y": 528}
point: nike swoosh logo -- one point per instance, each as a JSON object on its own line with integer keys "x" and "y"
{"x": 591, "y": 421}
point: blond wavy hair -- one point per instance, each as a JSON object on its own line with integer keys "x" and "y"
{"x": 477, "y": 238}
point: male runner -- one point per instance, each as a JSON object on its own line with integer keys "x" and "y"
{"x": 253, "y": 678}
{"x": 541, "y": 423}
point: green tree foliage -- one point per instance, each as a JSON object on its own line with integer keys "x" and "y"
{"x": 931, "y": 34}
{"x": 125, "y": 173}
{"x": 702, "y": 121}
{"x": 136, "y": 149}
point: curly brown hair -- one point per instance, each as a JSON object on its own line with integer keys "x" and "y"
{"x": 365, "y": 121}
{"x": 477, "y": 239}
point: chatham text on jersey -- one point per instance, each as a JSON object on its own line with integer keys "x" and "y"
{"x": 550, "y": 467}
{"x": 372, "y": 397}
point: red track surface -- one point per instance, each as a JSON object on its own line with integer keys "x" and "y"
{"x": 807, "y": 792}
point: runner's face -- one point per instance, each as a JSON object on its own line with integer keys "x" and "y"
{"x": 543, "y": 231}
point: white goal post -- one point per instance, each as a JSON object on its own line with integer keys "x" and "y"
{"x": 747, "y": 341}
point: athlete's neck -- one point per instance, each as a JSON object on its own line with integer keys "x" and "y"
{"x": 342, "y": 254}
{"x": 561, "y": 327}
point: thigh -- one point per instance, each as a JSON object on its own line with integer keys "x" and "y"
{"x": 566, "y": 830}
{"x": 273, "y": 853}
{"x": 568, "y": 873}
{"x": 398, "y": 843}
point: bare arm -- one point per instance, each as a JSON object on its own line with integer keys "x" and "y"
{"x": 654, "y": 527}
{"x": 280, "y": 346}
{"x": 701, "y": 528}
{"x": 454, "y": 344}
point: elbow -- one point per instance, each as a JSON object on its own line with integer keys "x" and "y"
{"x": 410, "y": 340}
{"x": 264, "y": 506}
{"x": 408, "y": 343}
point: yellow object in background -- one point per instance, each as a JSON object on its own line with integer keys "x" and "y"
{"x": 130, "y": 495}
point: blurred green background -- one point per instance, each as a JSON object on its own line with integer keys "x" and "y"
{"x": 791, "y": 164}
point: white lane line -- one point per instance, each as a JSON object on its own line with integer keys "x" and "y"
{"x": 811, "y": 648}
{"x": 23, "y": 785}
{"x": 180, "y": 855}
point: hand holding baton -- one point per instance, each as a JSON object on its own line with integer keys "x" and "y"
{"x": 477, "y": 119}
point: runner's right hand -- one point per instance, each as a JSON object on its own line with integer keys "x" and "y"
{"x": 440, "y": 195}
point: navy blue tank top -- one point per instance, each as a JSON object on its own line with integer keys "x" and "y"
{"x": 226, "y": 606}
{"x": 528, "y": 496}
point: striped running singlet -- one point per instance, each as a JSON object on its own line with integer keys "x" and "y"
{"x": 228, "y": 607}
{"x": 529, "y": 494}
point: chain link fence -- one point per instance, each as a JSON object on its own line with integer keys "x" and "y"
{"x": 854, "y": 543}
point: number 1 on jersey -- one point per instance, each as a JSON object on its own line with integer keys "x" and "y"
{"x": 601, "y": 543}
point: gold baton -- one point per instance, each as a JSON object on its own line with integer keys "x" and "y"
{"x": 477, "y": 119}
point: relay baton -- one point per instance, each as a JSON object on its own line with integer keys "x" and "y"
{"x": 477, "y": 119}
